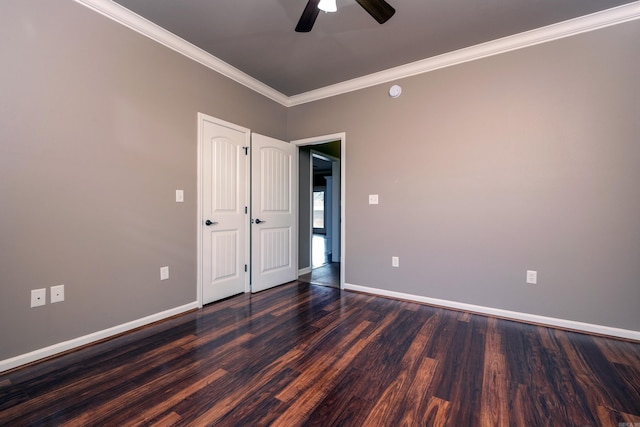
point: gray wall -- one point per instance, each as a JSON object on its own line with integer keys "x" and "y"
{"x": 526, "y": 160}
{"x": 98, "y": 128}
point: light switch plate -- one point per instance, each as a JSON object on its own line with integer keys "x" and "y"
{"x": 373, "y": 199}
{"x": 179, "y": 196}
{"x": 164, "y": 273}
{"x": 532, "y": 277}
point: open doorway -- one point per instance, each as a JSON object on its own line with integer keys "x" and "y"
{"x": 325, "y": 195}
{"x": 321, "y": 245}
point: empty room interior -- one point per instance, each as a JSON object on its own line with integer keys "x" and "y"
{"x": 269, "y": 213}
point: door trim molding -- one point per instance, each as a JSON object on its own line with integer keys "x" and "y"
{"x": 202, "y": 118}
{"x": 334, "y": 161}
{"x": 342, "y": 137}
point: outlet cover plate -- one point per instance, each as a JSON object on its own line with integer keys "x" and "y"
{"x": 373, "y": 199}
{"x": 164, "y": 273}
{"x": 395, "y": 261}
{"x": 57, "y": 293}
{"x": 38, "y": 297}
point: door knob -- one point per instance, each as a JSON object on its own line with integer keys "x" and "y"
{"x": 259, "y": 221}
{"x": 209, "y": 223}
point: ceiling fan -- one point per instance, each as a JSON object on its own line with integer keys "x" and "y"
{"x": 380, "y": 10}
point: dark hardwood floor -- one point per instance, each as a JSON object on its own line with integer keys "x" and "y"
{"x": 310, "y": 355}
{"x": 326, "y": 275}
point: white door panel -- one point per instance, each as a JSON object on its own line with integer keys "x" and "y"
{"x": 224, "y": 221}
{"x": 274, "y": 237}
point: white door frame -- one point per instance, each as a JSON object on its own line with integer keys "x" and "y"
{"x": 334, "y": 214}
{"x": 200, "y": 175}
{"x": 342, "y": 137}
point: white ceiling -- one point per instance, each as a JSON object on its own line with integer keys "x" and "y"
{"x": 258, "y": 37}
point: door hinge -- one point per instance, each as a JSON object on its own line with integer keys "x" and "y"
{"x": 246, "y": 211}
{"x": 246, "y": 150}
{"x": 245, "y": 268}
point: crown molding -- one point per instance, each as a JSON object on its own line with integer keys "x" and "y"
{"x": 147, "y": 28}
{"x": 595, "y": 21}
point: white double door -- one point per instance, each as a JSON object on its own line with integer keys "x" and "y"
{"x": 248, "y": 210}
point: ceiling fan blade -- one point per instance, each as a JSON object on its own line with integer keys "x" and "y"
{"x": 308, "y": 18}
{"x": 379, "y": 9}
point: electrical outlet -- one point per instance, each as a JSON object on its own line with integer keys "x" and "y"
{"x": 395, "y": 261}
{"x": 38, "y": 297}
{"x": 164, "y": 273}
{"x": 532, "y": 277}
{"x": 373, "y": 199}
{"x": 57, "y": 293}
{"x": 179, "y": 196}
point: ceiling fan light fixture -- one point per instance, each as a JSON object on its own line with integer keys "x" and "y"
{"x": 328, "y": 5}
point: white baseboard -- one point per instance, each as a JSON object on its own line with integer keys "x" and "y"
{"x": 58, "y": 348}
{"x": 513, "y": 315}
{"x": 305, "y": 270}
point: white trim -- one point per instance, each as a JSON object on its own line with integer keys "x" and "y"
{"x": 513, "y": 315}
{"x": 147, "y": 28}
{"x": 315, "y": 140}
{"x": 305, "y": 270}
{"x": 342, "y": 137}
{"x": 335, "y": 171}
{"x": 200, "y": 185}
{"x": 58, "y": 348}
{"x": 594, "y": 21}
{"x": 199, "y": 172}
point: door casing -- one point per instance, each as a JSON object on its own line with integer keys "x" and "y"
{"x": 342, "y": 137}
{"x": 333, "y": 213}
{"x": 300, "y": 142}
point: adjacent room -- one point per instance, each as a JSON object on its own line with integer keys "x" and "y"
{"x": 273, "y": 213}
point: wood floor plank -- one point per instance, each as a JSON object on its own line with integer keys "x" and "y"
{"x": 585, "y": 378}
{"x": 50, "y": 394}
{"x": 418, "y": 403}
{"x": 311, "y": 371}
{"x": 298, "y": 411}
{"x": 403, "y": 399}
{"x": 621, "y": 352}
{"x": 494, "y": 409}
{"x": 223, "y": 407}
{"x": 399, "y": 400}
{"x": 545, "y": 380}
{"x": 168, "y": 420}
{"x": 306, "y": 355}
{"x": 310, "y": 398}
{"x": 438, "y": 413}
{"x": 173, "y": 395}
{"x": 154, "y": 384}
{"x": 465, "y": 359}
